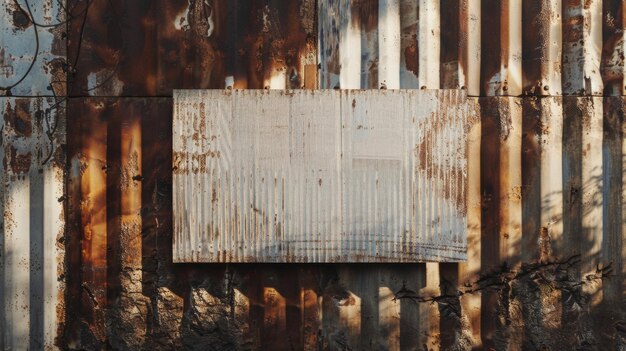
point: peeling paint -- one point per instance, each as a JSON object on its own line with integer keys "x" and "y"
{"x": 24, "y": 44}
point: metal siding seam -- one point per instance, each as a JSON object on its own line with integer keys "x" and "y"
{"x": 592, "y": 199}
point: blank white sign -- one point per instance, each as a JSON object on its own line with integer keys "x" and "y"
{"x": 319, "y": 176}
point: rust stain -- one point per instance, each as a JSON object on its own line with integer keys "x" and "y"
{"x": 19, "y": 163}
{"x": 19, "y": 117}
{"x": 575, "y": 33}
{"x": 87, "y": 203}
{"x": 452, "y": 176}
{"x": 535, "y": 45}
{"x": 20, "y": 18}
{"x": 193, "y": 163}
{"x": 612, "y": 52}
{"x": 364, "y": 14}
{"x": 492, "y": 51}
{"x": 411, "y": 56}
{"x": 450, "y": 44}
{"x": 545, "y": 252}
{"x": 200, "y": 43}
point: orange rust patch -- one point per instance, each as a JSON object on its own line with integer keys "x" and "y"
{"x": 185, "y": 162}
{"x": 365, "y": 14}
{"x": 20, "y": 163}
{"x": 19, "y": 118}
{"x": 410, "y": 57}
{"x": 213, "y": 195}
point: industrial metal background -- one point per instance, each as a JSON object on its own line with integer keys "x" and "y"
{"x": 546, "y": 218}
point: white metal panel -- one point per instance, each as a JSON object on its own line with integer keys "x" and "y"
{"x": 32, "y": 222}
{"x": 319, "y": 176}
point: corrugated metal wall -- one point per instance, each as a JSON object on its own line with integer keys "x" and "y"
{"x": 546, "y": 169}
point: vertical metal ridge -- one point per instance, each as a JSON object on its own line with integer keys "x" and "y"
{"x": 17, "y": 234}
{"x": 17, "y": 307}
{"x": 551, "y": 172}
{"x": 35, "y": 242}
{"x": 592, "y": 190}
{"x": 613, "y": 171}
{"x": 350, "y": 49}
{"x": 501, "y": 58}
{"x": 328, "y": 43}
{"x": 546, "y": 49}
{"x": 429, "y": 44}
{"x": 582, "y": 46}
{"x": 19, "y": 40}
{"x": 542, "y": 47}
{"x": 470, "y": 45}
{"x": 613, "y": 44}
{"x": 389, "y": 43}
{"x": 409, "y": 44}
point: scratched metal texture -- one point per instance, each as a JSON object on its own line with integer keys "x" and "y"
{"x": 148, "y": 48}
{"x": 320, "y": 175}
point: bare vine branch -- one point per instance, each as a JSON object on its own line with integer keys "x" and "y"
{"x": 503, "y": 278}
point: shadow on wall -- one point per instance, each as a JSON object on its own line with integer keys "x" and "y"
{"x": 127, "y": 293}
{"x": 31, "y": 220}
{"x": 550, "y": 179}
{"x": 124, "y": 293}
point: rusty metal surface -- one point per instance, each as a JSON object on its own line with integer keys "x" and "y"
{"x": 324, "y": 176}
{"x": 32, "y": 132}
{"x": 119, "y": 219}
{"x": 531, "y": 208}
{"x": 147, "y": 48}
{"x": 32, "y": 48}
{"x": 520, "y": 48}
{"x": 541, "y": 48}
{"x": 135, "y": 48}
{"x": 261, "y": 306}
{"x": 523, "y": 48}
